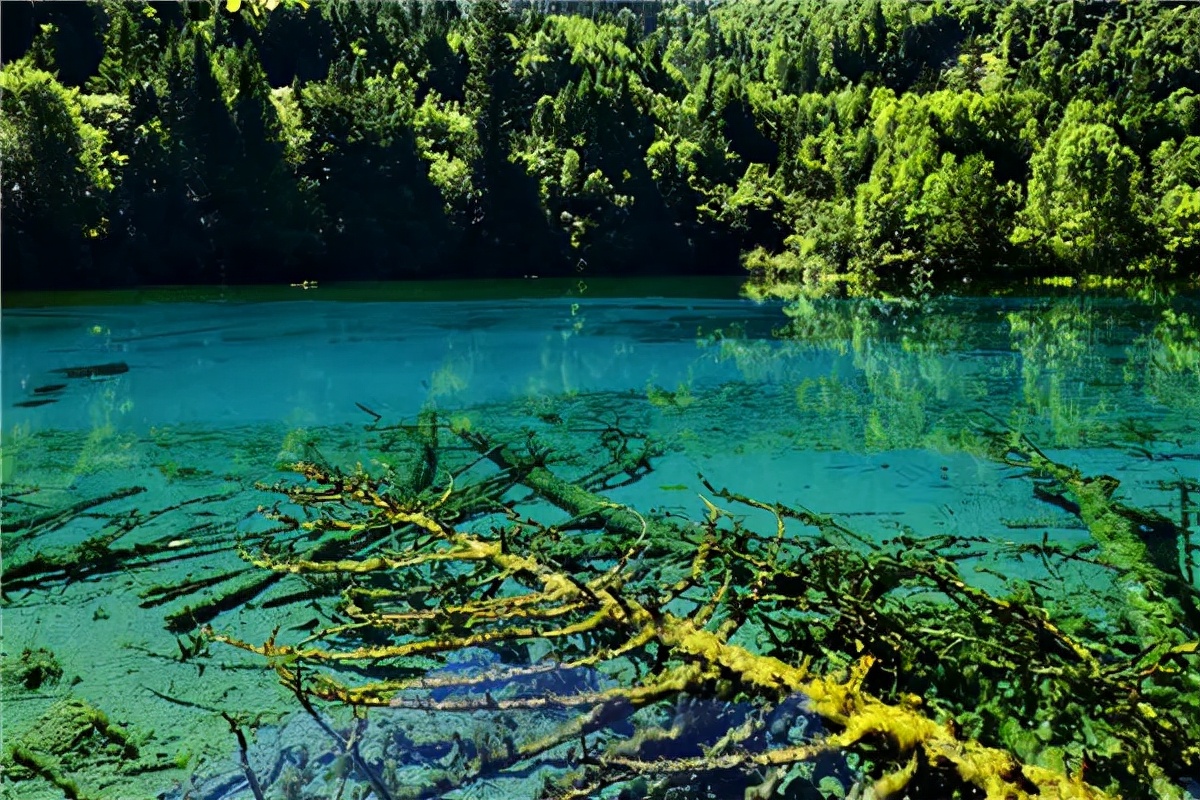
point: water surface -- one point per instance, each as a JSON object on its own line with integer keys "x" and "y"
{"x": 185, "y": 401}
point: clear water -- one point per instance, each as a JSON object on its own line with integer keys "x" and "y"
{"x": 844, "y": 408}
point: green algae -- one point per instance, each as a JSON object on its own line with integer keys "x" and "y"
{"x": 34, "y": 669}
{"x": 74, "y": 744}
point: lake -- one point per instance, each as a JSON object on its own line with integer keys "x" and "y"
{"x": 143, "y": 434}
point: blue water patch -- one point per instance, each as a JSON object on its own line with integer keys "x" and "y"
{"x": 871, "y": 415}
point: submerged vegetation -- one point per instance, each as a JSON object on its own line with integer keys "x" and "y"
{"x": 919, "y": 674}
{"x": 752, "y": 648}
{"x": 876, "y": 147}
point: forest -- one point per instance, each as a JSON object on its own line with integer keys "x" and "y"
{"x": 866, "y": 148}
{"x": 923, "y": 526}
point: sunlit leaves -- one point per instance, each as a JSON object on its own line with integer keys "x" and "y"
{"x": 258, "y": 7}
{"x": 1084, "y": 192}
{"x": 55, "y": 164}
{"x": 1177, "y": 187}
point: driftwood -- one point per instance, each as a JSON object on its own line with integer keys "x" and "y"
{"x": 622, "y": 626}
{"x": 863, "y": 631}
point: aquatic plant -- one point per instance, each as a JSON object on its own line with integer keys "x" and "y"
{"x": 74, "y": 735}
{"x": 34, "y": 668}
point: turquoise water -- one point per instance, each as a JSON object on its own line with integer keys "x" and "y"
{"x": 136, "y": 423}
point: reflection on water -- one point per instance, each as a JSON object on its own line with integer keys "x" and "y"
{"x": 137, "y": 434}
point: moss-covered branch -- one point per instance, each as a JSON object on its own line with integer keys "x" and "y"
{"x": 935, "y": 681}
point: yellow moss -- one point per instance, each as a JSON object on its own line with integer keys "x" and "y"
{"x": 894, "y": 783}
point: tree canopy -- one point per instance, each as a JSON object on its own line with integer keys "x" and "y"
{"x": 874, "y": 147}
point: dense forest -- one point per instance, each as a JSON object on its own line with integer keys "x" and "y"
{"x": 873, "y": 147}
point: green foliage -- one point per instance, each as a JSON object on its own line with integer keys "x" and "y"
{"x": 133, "y": 45}
{"x": 1176, "y": 216}
{"x": 1084, "y": 193}
{"x": 57, "y": 170}
{"x": 882, "y": 147}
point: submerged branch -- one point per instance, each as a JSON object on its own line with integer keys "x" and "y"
{"x": 853, "y": 626}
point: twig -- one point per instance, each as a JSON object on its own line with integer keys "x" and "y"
{"x": 347, "y": 747}
{"x": 243, "y": 749}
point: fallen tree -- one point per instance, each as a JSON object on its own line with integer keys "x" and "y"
{"x": 708, "y": 656}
